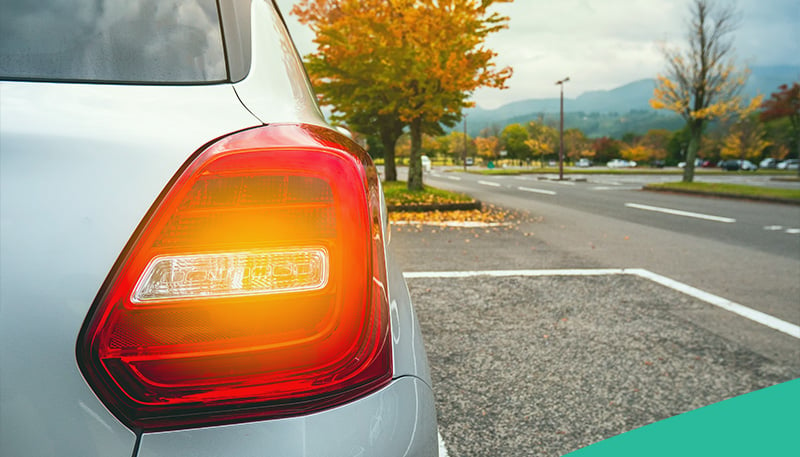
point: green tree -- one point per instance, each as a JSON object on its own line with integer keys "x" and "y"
{"x": 415, "y": 61}
{"x": 542, "y": 141}
{"x": 343, "y": 78}
{"x": 457, "y": 144}
{"x": 677, "y": 145}
{"x": 513, "y": 138}
{"x": 701, "y": 83}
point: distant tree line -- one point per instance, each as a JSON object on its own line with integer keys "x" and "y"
{"x": 760, "y": 131}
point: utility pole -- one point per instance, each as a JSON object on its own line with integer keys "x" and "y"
{"x": 561, "y": 132}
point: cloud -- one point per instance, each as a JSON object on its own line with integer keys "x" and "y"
{"x": 603, "y": 44}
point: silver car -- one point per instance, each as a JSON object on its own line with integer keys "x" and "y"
{"x": 192, "y": 261}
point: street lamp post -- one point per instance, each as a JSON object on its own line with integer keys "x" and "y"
{"x": 464, "y": 152}
{"x": 561, "y": 132}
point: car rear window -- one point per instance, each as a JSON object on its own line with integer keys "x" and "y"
{"x": 145, "y": 41}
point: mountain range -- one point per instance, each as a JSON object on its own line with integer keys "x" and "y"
{"x": 630, "y": 101}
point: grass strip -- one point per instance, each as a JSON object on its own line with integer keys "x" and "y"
{"x": 729, "y": 190}
{"x": 397, "y": 194}
{"x": 615, "y": 171}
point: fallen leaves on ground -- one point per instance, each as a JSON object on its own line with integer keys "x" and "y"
{"x": 489, "y": 217}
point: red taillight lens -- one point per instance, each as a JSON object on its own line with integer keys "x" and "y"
{"x": 254, "y": 288}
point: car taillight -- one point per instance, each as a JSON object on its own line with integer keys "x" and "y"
{"x": 254, "y": 288}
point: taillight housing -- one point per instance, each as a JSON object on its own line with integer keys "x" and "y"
{"x": 253, "y": 289}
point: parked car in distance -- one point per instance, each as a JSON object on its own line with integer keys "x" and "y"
{"x": 583, "y": 163}
{"x": 747, "y": 165}
{"x": 193, "y": 262}
{"x": 620, "y": 163}
{"x": 788, "y": 164}
{"x": 737, "y": 164}
{"x": 469, "y": 161}
{"x": 769, "y": 162}
{"x": 698, "y": 162}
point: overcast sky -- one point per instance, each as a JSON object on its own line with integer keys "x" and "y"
{"x": 603, "y": 44}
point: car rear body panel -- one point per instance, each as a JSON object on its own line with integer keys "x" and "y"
{"x": 80, "y": 165}
{"x": 383, "y": 424}
{"x": 276, "y": 69}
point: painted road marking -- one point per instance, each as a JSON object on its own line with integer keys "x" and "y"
{"x": 538, "y": 191}
{"x": 564, "y": 183}
{"x": 780, "y": 228}
{"x": 489, "y": 183}
{"x": 677, "y": 212}
{"x": 442, "y": 448}
{"x": 454, "y": 178}
{"x": 741, "y": 310}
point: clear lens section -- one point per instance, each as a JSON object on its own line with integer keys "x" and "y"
{"x": 236, "y": 273}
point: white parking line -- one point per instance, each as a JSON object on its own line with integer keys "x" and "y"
{"x": 454, "y": 178}
{"x": 538, "y": 191}
{"x": 677, "y": 212}
{"x": 564, "y": 183}
{"x": 741, "y": 310}
{"x": 489, "y": 183}
{"x": 442, "y": 448}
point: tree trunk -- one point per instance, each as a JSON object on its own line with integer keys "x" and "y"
{"x": 415, "y": 163}
{"x": 390, "y": 129}
{"x": 695, "y": 136}
{"x": 389, "y": 166}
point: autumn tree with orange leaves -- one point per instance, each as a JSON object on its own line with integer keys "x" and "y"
{"x": 702, "y": 83}
{"x": 412, "y": 62}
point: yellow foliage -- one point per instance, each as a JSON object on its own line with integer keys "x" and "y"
{"x": 640, "y": 153}
{"x": 539, "y": 146}
{"x": 487, "y": 147}
{"x": 415, "y": 58}
{"x": 746, "y": 140}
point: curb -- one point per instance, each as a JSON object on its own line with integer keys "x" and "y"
{"x": 785, "y": 179}
{"x": 436, "y": 207}
{"x": 784, "y": 201}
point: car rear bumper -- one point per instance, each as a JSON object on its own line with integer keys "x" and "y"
{"x": 399, "y": 420}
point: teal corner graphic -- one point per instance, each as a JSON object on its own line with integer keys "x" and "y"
{"x": 762, "y": 423}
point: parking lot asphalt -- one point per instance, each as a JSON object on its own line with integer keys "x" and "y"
{"x": 547, "y": 365}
